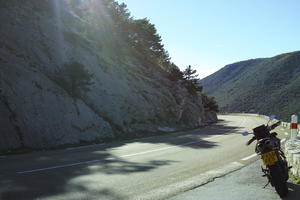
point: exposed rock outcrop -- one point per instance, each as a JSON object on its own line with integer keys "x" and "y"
{"x": 129, "y": 96}
{"x": 292, "y": 152}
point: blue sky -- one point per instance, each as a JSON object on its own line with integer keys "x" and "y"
{"x": 208, "y": 34}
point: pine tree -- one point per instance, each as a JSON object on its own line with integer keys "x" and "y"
{"x": 191, "y": 80}
{"x": 209, "y": 103}
{"x": 174, "y": 72}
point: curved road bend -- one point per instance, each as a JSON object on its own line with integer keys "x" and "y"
{"x": 151, "y": 168}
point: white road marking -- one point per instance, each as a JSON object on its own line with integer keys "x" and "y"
{"x": 84, "y": 147}
{"x": 95, "y": 145}
{"x": 286, "y": 133}
{"x": 237, "y": 163}
{"x": 144, "y": 138}
{"x": 59, "y": 166}
{"x": 111, "y": 158}
{"x": 244, "y": 120}
{"x": 283, "y": 140}
{"x": 213, "y": 137}
{"x": 248, "y": 157}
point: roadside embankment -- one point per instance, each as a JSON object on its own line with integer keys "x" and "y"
{"x": 292, "y": 152}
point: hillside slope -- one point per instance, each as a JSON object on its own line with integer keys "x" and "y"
{"x": 266, "y": 85}
{"x": 129, "y": 94}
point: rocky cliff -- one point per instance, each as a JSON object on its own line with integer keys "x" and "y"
{"x": 128, "y": 96}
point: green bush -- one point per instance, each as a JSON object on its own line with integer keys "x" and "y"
{"x": 191, "y": 80}
{"x": 209, "y": 103}
{"x": 74, "y": 78}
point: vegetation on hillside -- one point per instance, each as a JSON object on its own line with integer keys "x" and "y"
{"x": 143, "y": 40}
{"x": 140, "y": 35}
{"x": 189, "y": 79}
{"x": 209, "y": 102}
{"x": 74, "y": 78}
{"x": 268, "y": 85}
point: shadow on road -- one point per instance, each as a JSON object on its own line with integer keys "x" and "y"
{"x": 294, "y": 191}
{"x": 182, "y": 137}
{"x": 77, "y": 182}
{"x": 84, "y": 181}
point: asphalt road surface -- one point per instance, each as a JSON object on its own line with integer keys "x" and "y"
{"x": 246, "y": 184}
{"x": 157, "y": 167}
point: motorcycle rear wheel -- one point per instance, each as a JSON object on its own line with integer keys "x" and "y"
{"x": 278, "y": 180}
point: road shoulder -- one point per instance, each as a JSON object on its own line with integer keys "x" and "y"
{"x": 246, "y": 183}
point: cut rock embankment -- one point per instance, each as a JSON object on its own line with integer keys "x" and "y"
{"x": 129, "y": 96}
{"x": 292, "y": 152}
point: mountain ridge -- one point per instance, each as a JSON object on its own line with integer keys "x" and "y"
{"x": 265, "y": 85}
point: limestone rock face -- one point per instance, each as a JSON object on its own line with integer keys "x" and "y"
{"x": 128, "y": 96}
{"x": 210, "y": 117}
{"x": 292, "y": 152}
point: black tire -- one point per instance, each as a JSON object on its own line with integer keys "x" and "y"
{"x": 278, "y": 180}
{"x": 285, "y": 168}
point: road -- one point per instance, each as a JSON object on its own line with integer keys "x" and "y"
{"x": 246, "y": 183}
{"x": 157, "y": 167}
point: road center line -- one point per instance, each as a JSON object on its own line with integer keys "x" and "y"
{"x": 249, "y": 157}
{"x": 112, "y": 158}
{"x": 84, "y": 147}
{"x": 213, "y": 137}
{"x": 244, "y": 120}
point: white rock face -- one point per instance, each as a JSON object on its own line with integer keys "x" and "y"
{"x": 292, "y": 152}
{"x": 129, "y": 97}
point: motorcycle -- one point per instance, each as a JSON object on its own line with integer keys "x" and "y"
{"x": 269, "y": 148}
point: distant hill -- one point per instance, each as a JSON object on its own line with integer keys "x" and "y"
{"x": 264, "y": 85}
